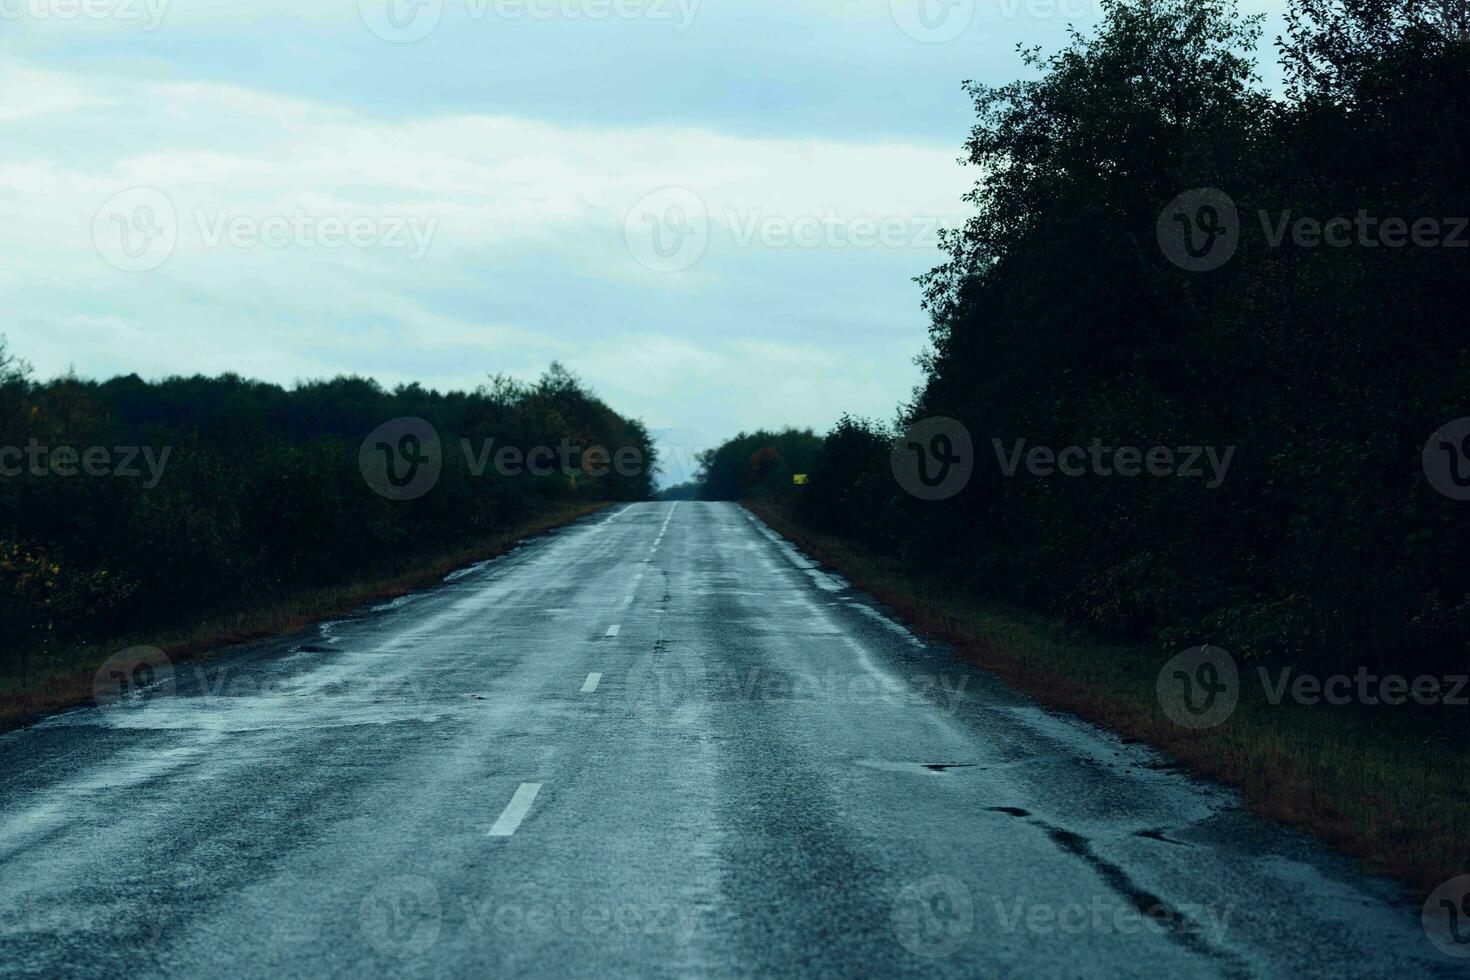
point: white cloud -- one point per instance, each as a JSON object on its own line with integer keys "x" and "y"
{"x": 525, "y": 257}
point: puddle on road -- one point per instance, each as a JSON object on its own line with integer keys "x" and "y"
{"x": 920, "y": 767}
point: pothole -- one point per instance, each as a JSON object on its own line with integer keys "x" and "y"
{"x": 886, "y": 765}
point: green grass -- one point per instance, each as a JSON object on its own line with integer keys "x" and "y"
{"x": 64, "y": 678}
{"x": 1383, "y": 784}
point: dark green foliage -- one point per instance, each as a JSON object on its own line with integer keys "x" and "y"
{"x": 850, "y": 491}
{"x": 756, "y": 464}
{"x": 262, "y": 492}
{"x": 1059, "y": 319}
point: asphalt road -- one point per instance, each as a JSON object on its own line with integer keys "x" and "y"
{"x": 656, "y": 743}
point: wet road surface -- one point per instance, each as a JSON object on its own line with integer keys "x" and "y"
{"x": 656, "y": 743}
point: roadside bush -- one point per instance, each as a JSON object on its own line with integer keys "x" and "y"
{"x": 260, "y": 491}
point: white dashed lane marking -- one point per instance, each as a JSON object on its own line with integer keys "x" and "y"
{"x": 515, "y": 811}
{"x": 663, "y": 530}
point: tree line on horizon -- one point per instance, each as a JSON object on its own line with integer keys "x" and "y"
{"x": 1060, "y": 316}
{"x": 206, "y": 494}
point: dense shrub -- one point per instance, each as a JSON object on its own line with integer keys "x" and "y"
{"x": 260, "y": 492}
{"x": 756, "y": 464}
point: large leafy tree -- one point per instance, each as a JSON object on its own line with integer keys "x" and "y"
{"x": 1059, "y": 318}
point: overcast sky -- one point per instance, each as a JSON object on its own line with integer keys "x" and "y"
{"x": 711, "y": 210}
